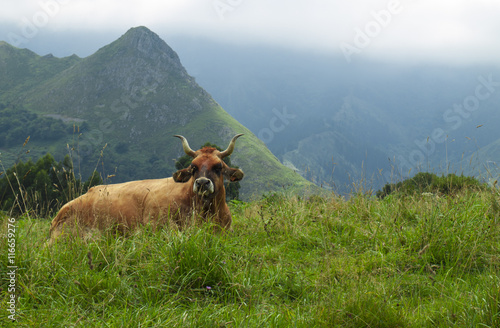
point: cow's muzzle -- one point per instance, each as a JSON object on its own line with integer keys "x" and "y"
{"x": 203, "y": 187}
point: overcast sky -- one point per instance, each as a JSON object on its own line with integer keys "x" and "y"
{"x": 447, "y": 31}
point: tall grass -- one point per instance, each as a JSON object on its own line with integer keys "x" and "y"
{"x": 404, "y": 261}
{"x": 41, "y": 188}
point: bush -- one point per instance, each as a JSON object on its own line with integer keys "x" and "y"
{"x": 41, "y": 187}
{"x": 431, "y": 183}
{"x": 16, "y": 123}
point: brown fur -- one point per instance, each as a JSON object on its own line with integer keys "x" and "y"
{"x": 159, "y": 202}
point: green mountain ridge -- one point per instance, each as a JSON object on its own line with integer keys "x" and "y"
{"x": 132, "y": 95}
{"x": 23, "y": 69}
{"x": 374, "y": 119}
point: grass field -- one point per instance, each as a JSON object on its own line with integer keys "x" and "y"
{"x": 404, "y": 261}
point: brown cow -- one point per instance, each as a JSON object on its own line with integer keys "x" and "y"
{"x": 196, "y": 192}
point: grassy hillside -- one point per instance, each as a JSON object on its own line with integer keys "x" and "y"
{"x": 421, "y": 261}
{"x": 22, "y": 69}
{"x": 131, "y": 96}
{"x": 263, "y": 171}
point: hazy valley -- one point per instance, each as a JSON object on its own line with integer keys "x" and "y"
{"x": 331, "y": 122}
{"x": 348, "y": 121}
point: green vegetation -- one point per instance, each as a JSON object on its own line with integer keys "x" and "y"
{"x": 424, "y": 182}
{"x": 22, "y": 69}
{"x": 18, "y": 123}
{"x": 426, "y": 253}
{"x": 43, "y": 187}
{"x": 130, "y": 97}
{"x": 412, "y": 261}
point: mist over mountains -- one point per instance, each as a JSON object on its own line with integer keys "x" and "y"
{"x": 124, "y": 103}
{"x": 332, "y": 122}
{"x": 375, "y": 121}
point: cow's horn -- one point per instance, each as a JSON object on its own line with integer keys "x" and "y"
{"x": 230, "y": 148}
{"x": 186, "y": 147}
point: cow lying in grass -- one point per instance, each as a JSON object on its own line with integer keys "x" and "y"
{"x": 196, "y": 192}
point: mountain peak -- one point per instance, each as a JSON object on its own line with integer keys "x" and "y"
{"x": 134, "y": 61}
{"x": 133, "y": 95}
{"x": 146, "y": 41}
{"x": 140, "y": 43}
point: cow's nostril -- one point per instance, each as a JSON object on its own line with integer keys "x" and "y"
{"x": 203, "y": 185}
{"x": 202, "y": 182}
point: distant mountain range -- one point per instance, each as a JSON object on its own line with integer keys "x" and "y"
{"x": 117, "y": 111}
{"x": 370, "y": 121}
{"x": 333, "y": 123}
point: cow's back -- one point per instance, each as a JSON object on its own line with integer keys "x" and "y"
{"x": 123, "y": 205}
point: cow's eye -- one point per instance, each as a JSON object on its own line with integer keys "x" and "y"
{"x": 193, "y": 169}
{"x": 217, "y": 169}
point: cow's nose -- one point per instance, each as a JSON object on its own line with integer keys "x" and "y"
{"x": 202, "y": 182}
{"x": 203, "y": 185}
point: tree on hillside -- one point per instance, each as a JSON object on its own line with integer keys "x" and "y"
{"x": 17, "y": 122}
{"x": 232, "y": 189}
{"x": 41, "y": 187}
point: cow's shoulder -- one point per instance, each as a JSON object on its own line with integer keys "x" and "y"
{"x": 148, "y": 185}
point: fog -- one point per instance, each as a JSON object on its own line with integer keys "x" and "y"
{"x": 449, "y": 31}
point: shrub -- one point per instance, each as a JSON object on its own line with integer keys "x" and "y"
{"x": 429, "y": 182}
{"x": 41, "y": 187}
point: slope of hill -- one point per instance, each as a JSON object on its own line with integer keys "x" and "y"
{"x": 355, "y": 115}
{"x": 132, "y": 96}
{"x": 22, "y": 69}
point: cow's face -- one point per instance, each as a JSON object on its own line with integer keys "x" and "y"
{"x": 208, "y": 170}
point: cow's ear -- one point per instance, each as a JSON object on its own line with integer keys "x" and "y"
{"x": 233, "y": 175}
{"x": 183, "y": 175}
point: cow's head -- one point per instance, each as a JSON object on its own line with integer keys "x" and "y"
{"x": 208, "y": 169}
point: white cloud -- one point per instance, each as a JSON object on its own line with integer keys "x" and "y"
{"x": 459, "y": 30}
